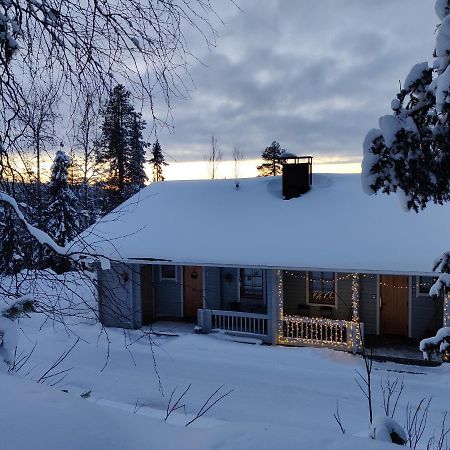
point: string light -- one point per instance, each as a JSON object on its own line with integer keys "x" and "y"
{"x": 447, "y": 309}
{"x": 318, "y": 331}
{"x": 306, "y": 276}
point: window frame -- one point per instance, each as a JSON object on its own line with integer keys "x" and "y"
{"x": 242, "y": 295}
{"x": 163, "y": 278}
{"x": 418, "y": 292}
{"x": 309, "y": 281}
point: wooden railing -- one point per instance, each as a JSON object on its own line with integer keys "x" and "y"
{"x": 239, "y": 322}
{"x": 297, "y": 330}
{"x": 250, "y": 324}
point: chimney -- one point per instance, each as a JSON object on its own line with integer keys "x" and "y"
{"x": 297, "y": 175}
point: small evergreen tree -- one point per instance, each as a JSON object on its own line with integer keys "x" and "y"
{"x": 272, "y": 165}
{"x": 158, "y": 162}
{"x": 61, "y": 212}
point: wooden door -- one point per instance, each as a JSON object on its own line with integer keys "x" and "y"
{"x": 192, "y": 291}
{"x": 147, "y": 304}
{"x": 394, "y": 297}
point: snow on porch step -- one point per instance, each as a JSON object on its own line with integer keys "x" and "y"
{"x": 235, "y": 336}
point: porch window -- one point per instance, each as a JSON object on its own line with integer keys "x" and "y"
{"x": 168, "y": 273}
{"x": 424, "y": 285}
{"x": 321, "y": 288}
{"x": 252, "y": 283}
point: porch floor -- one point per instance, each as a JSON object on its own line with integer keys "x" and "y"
{"x": 398, "y": 349}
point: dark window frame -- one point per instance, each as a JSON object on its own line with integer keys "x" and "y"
{"x": 250, "y": 290}
{"x": 321, "y": 289}
{"x": 164, "y": 277}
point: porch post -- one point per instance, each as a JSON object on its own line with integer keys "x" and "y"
{"x": 356, "y": 331}
{"x": 277, "y": 305}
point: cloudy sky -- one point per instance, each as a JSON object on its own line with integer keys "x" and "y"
{"x": 314, "y": 75}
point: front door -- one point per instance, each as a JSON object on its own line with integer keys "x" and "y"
{"x": 192, "y": 291}
{"x": 394, "y": 296}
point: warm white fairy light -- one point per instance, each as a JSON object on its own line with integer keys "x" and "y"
{"x": 356, "y": 331}
{"x": 318, "y": 331}
{"x": 447, "y": 309}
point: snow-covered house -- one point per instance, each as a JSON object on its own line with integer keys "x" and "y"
{"x": 313, "y": 270}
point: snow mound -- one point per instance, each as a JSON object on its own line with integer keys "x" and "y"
{"x": 388, "y": 430}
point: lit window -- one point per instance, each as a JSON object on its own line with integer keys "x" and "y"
{"x": 424, "y": 285}
{"x": 321, "y": 287}
{"x": 252, "y": 283}
{"x": 168, "y": 273}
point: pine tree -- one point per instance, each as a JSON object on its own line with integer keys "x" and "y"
{"x": 272, "y": 166}
{"x": 61, "y": 212}
{"x": 158, "y": 162}
{"x": 121, "y": 149}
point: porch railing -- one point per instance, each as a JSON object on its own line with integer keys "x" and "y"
{"x": 235, "y": 321}
{"x": 321, "y": 332}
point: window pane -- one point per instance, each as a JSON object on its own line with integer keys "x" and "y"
{"x": 251, "y": 283}
{"x": 425, "y": 284}
{"x": 321, "y": 288}
{"x": 168, "y": 272}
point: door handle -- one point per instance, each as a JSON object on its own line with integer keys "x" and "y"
{"x": 380, "y": 303}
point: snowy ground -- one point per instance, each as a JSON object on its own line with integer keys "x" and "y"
{"x": 282, "y": 397}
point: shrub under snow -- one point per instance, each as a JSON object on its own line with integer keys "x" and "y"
{"x": 387, "y": 429}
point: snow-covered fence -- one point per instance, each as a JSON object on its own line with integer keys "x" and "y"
{"x": 255, "y": 325}
{"x": 320, "y": 332}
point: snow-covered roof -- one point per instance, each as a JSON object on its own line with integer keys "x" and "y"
{"x": 335, "y": 226}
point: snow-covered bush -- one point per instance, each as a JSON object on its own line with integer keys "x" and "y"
{"x": 439, "y": 345}
{"x": 9, "y": 329}
{"x": 387, "y": 429}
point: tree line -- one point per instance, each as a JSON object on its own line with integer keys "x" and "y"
{"x": 105, "y": 169}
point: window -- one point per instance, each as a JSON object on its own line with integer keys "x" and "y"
{"x": 424, "y": 285}
{"x": 252, "y": 283}
{"x": 321, "y": 288}
{"x": 168, "y": 272}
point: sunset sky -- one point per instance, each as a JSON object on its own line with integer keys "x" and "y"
{"x": 314, "y": 76}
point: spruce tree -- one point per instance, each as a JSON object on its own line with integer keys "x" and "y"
{"x": 61, "y": 212}
{"x": 15, "y": 251}
{"x": 410, "y": 151}
{"x": 121, "y": 149}
{"x": 135, "y": 158}
{"x": 272, "y": 157}
{"x": 158, "y": 162}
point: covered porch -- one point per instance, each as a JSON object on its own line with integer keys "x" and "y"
{"x": 320, "y": 309}
{"x": 292, "y": 317}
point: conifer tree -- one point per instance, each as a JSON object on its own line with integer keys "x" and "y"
{"x": 158, "y": 162}
{"x": 121, "y": 149}
{"x": 14, "y": 252}
{"x": 134, "y": 166}
{"x": 61, "y": 213}
{"x": 410, "y": 151}
{"x": 272, "y": 165}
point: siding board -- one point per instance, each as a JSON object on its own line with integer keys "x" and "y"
{"x": 426, "y": 313}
